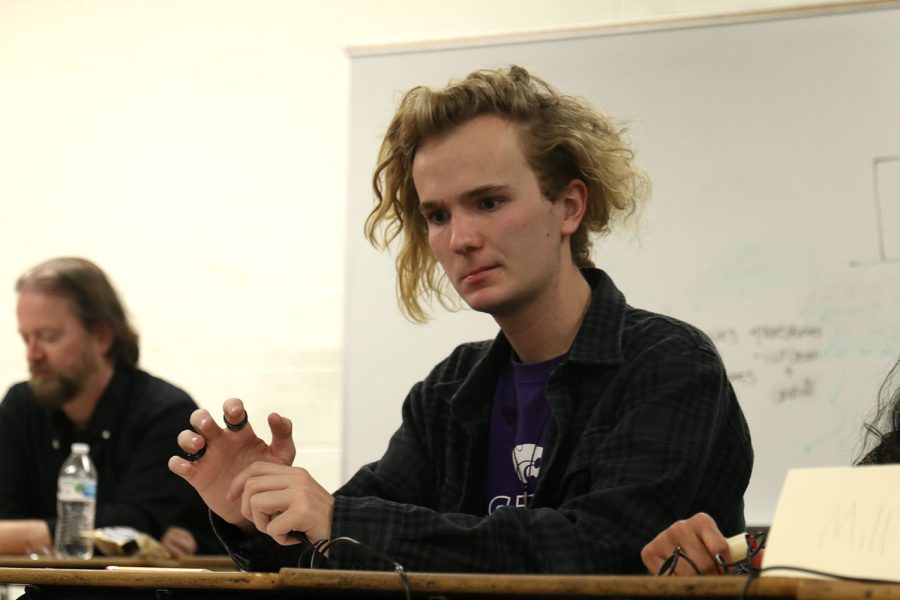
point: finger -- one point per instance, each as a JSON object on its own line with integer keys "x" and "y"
{"x": 281, "y": 530}
{"x": 717, "y": 545}
{"x": 294, "y": 502}
{"x": 236, "y": 487}
{"x": 652, "y": 556}
{"x": 264, "y": 506}
{"x": 687, "y": 535}
{"x": 310, "y": 511}
{"x": 694, "y": 549}
{"x": 658, "y": 552}
{"x": 714, "y": 543}
{"x": 189, "y": 547}
{"x": 182, "y": 467}
{"x": 282, "y": 446}
{"x": 236, "y": 419}
{"x": 171, "y": 541}
{"x": 703, "y": 562}
{"x": 182, "y": 540}
{"x": 203, "y": 423}
{"x": 177, "y": 548}
{"x": 655, "y": 553}
{"x": 702, "y": 557}
{"x": 190, "y": 442}
{"x": 258, "y": 478}
{"x": 231, "y": 426}
{"x": 270, "y": 504}
{"x": 239, "y": 486}
{"x": 178, "y": 534}
{"x": 233, "y": 411}
{"x": 172, "y": 549}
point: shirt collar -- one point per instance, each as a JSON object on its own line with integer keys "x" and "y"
{"x": 599, "y": 339}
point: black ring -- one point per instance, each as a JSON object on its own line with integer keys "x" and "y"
{"x": 196, "y": 455}
{"x": 235, "y": 426}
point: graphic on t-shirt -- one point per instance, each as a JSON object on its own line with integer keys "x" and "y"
{"x": 527, "y": 461}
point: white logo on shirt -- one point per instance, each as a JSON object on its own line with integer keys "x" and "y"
{"x": 527, "y": 461}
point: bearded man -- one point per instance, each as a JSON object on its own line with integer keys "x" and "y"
{"x": 86, "y": 387}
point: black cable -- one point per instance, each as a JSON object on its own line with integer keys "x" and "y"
{"x": 310, "y": 551}
{"x": 754, "y": 575}
{"x": 319, "y": 549}
{"x": 668, "y": 566}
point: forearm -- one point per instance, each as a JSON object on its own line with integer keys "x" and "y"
{"x": 511, "y": 540}
{"x": 24, "y": 536}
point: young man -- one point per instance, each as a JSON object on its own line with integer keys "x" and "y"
{"x": 85, "y": 387}
{"x": 561, "y": 446}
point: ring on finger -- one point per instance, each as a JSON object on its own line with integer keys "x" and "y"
{"x": 196, "y": 455}
{"x": 235, "y": 426}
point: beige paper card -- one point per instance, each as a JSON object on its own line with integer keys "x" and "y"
{"x": 841, "y": 520}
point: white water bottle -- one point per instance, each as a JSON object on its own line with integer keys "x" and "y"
{"x": 76, "y": 499}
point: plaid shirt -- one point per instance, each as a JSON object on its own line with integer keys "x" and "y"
{"x": 646, "y": 430}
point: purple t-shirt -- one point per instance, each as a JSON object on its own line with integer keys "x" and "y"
{"x": 520, "y": 417}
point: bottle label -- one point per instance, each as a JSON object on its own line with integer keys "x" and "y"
{"x": 77, "y": 490}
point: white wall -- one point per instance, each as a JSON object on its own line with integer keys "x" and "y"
{"x": 196, "y": 149}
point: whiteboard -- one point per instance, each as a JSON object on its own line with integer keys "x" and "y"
{"x": 773, "y": 145}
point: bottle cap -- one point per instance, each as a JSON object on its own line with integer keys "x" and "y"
{"x": 80, "y": 448}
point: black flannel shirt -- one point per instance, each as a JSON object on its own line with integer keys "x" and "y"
{"x": 132, "y": 433}
{"x": 646, "y": 430}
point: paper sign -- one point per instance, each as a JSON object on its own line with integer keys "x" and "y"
{"x": 841, "y": 520}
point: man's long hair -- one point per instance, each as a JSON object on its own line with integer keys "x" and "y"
{"x": 93, "y": 298}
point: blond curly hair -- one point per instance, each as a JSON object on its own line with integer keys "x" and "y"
{"x": 563, "y": 138}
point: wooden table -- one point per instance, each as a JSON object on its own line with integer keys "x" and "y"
{"x": 212, "y": 562}
{"x": 173, "y": 583}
